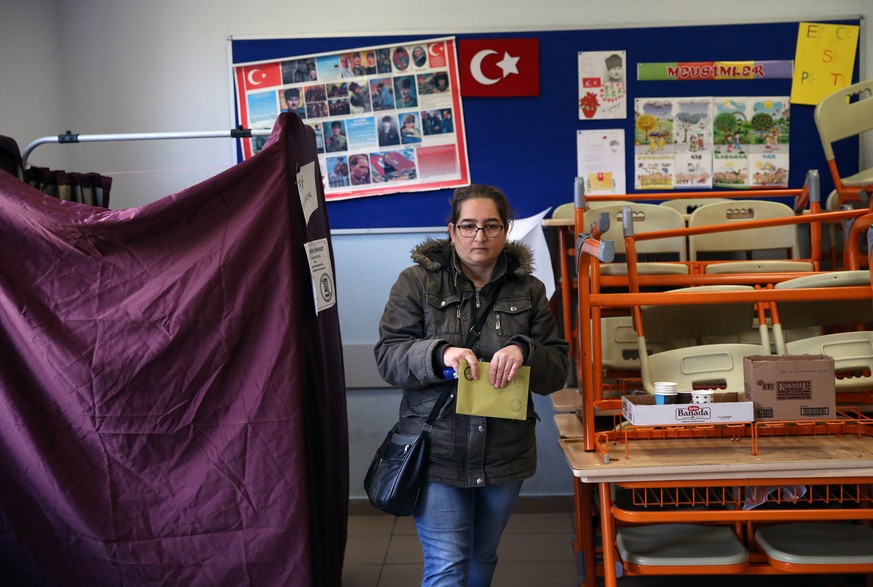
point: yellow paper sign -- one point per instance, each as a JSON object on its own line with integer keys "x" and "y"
{"x": 824, "y": 60}
{"x": 601, "y": 181}
{"x": 480, "y": 398}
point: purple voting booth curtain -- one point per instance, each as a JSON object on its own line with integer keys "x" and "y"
{"x": 172, "y": 409}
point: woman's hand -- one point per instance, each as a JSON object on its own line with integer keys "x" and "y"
{"x": 504, "y": 365}
{"x": 452, "y": 358}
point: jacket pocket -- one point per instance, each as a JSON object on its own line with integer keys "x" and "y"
{"x": 511, "y": 317}
{"x": 512, "y": 440}
{"x": 442, "y": 314}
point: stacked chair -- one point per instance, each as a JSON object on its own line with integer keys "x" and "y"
{"x": 686, "y": 206}
{"x": 717, "y": 366}
{"x": 738, "y": 305}
{"x": 782, "y": 240}
{"x": 842, "y": 330}
{"x": 844, "y": 114}
{"x": 617, "y": 348}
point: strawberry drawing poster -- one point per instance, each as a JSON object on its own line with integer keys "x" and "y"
{"x": 602, "y": 85}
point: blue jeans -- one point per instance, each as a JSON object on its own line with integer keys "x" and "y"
{"x": 460, "y": 529}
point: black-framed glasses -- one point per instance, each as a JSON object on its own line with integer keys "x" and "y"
{"x": 491, "y": 230}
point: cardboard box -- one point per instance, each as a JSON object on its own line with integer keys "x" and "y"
{"x": 791, "y": 387}
{"x": 727, "y": 408}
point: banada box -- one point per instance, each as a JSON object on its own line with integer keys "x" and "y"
{"x": 790, "y": 387}
{"x": 727, "y": 408}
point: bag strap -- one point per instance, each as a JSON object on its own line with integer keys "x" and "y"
{"x": 476, "y": 329}
{"x": 472, "y": 336}
{"x": 444, "y": 394}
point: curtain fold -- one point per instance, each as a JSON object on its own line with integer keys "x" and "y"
{"x": 10, "y": 157}
{"x": 172, "y": 409}
{"x": 85, "y": 188}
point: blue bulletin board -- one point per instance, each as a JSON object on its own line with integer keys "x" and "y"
{"x": 527, "y": 145}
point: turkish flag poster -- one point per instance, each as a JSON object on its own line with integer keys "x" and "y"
{"x": 499, "y": 67}
{"x": 263, "y": 75}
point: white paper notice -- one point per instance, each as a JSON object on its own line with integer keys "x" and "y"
{"x": 323, "y": 284}
{"x": 306, "y": 189}
{"x": 600, "y": 161}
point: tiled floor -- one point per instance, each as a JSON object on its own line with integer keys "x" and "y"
{"x": 536, "y": 551}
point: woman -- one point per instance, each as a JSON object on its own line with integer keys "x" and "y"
{"x": 476, "y": 464}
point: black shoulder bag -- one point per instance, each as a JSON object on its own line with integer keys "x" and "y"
{"x": 400, "y": 464}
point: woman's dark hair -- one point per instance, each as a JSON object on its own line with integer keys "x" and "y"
{"x": 475, "y": 191}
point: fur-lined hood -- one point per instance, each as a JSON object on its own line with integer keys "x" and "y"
{"x": 437, "y": 254}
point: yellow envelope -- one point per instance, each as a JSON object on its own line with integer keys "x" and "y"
{"x": 480, "y": 398}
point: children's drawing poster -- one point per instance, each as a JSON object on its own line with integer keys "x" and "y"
{"x": 602, "y": 85}
{"x": 751, "y": 137}
{"x": 703, "y": 142}
{"x": 600, "y": 155}
{"x": 673, "y": 143}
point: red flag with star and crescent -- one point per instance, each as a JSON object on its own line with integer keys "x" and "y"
{"x": 499, "y": 67}
{"x": 265, "y": 75}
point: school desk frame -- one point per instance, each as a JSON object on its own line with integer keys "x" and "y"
{"x": 708, "y": 481}
{"x": 835, "y": 465}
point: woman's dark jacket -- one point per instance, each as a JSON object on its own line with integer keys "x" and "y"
{"x": 431, "y": 306}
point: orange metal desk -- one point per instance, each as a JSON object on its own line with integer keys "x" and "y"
{"x": 668, "y": 467}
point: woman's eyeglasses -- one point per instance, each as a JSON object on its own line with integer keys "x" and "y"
{"x": 491, "y": 230}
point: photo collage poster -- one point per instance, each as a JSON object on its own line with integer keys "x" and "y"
{"x": 704, "y": 142}
{"x": 387, "y": 119}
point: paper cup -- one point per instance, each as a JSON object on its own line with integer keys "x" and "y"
{"x": 683, "y": 397}
{"x": 665, "y": 397}
{"x": 702, "y": 396}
